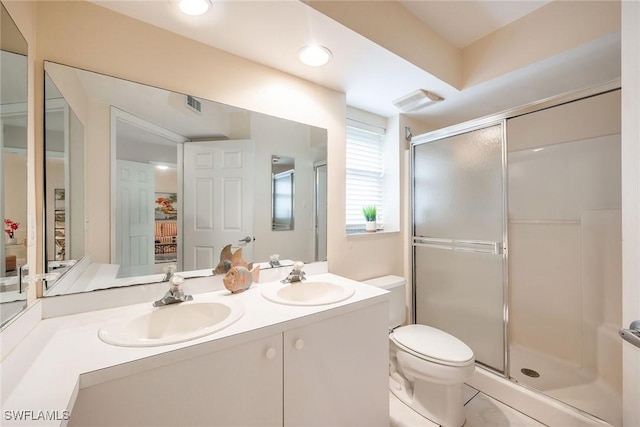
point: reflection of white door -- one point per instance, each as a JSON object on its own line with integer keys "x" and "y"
{"x": 321, "y": 212}
{"x": 134, "y": 218}
{"x": 218, "y": 200}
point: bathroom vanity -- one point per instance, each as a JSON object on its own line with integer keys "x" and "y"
{"x": 278, "y": 364}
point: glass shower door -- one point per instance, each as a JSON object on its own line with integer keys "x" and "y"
{"x": 459, "y": 239}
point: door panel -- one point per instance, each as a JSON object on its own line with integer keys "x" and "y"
{"x": 459, "y": 239}
{"x": 135, "y": 218}
{"x": 458, "y": 186}
{"x": 461, "y": 292}
{"x": 218, "y": 200}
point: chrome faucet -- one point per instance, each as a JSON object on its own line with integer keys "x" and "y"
{"x": 296, "y": 275}
{"x": 175, "y": 294}
{"x": 274, "y": 260}
{"x": 169, "y": 272}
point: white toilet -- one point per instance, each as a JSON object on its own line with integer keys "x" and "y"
{"x": 427, "y": 366}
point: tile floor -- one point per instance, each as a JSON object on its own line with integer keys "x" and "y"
{"x": 480, "y": 410}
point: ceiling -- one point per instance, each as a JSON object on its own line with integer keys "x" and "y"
{"x": 272, "y": 32}
{"x": 464, "y": 22}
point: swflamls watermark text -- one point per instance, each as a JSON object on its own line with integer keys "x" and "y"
{"x": 35, "y": 415}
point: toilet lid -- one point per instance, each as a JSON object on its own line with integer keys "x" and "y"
{"x": 433, "y": 343}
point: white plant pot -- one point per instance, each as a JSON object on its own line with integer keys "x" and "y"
{"x": 370, "y": 226}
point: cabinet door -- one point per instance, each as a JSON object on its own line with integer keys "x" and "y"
{"x": 236, "y": 386}
{"x": 336, "y": 371}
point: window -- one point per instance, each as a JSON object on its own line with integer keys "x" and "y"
{"x": 365, "y": 174}
{"x": 283, "y": 201}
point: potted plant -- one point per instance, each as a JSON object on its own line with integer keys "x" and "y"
{"x": 370, "y": 215}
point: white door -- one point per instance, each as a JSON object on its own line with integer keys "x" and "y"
{"x": 218, "y": 201}
{"x": 135, "y": 188}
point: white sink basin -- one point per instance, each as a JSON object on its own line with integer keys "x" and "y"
{"x": 172, "y": 324}
{"x": 308, "y": 293}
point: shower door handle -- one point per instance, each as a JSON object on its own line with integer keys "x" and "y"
{"x": 632, "y": 334}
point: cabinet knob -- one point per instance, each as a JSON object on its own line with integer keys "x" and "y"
{"x": 299, "y": 344}
{"x": 270, "y": 353}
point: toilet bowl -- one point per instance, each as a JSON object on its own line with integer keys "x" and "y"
{"x": 427, "y": 366}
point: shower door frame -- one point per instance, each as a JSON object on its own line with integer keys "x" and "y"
{"x": 448, "y": 133}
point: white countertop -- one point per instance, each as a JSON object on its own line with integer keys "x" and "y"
{"x": 63, "y": 354}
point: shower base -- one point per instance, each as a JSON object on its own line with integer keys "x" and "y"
{"x": 566, "y": 383}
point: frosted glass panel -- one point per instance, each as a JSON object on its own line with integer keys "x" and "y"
{"x": 459, "y": 230}
{"x": 459, "y": 188}
{"x": 461, "y": 293}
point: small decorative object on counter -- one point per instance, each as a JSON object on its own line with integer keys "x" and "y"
{"x": 230, "y": 259}
{"x": 239, "y": 279}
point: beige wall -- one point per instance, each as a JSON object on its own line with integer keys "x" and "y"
{"x": 554, "y": 28}
{"x": 67, "y": 33}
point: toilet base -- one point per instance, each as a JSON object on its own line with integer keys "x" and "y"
{"x": 439, "y": 403}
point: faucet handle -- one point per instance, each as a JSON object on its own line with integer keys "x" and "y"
{"x": 298, "y": 265}
{"x": 176, "y": 281}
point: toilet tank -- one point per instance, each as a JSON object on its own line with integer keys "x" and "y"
{"x": 396, "y": 286}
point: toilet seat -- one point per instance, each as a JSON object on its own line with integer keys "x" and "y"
{"x": 433, "y": 345}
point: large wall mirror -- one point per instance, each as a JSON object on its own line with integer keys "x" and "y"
{"x": 13, "y": 165}
{"x": 139, "y": 178}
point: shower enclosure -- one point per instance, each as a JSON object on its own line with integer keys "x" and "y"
{"x": 517, "y": 246}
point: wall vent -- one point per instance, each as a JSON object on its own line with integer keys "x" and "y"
{"x": 194, "y": 104}
{"x": 416, "y": 100}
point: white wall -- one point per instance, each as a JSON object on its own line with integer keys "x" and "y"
{"x": 166, "y": 180}
{"x": 631, "y": 202}
{"x": 15, "y": 194}
{"x": 284, "y": 138}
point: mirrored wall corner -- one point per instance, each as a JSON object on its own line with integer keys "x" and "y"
{"x": 14, "y": 77}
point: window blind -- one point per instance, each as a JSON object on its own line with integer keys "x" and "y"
{"x": 365, "y": 173}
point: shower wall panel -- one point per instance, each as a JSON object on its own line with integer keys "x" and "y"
{"x": 565, "y": 251}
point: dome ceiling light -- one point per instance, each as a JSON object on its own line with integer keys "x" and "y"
{"x": 314, "y": 55}
{"x": 194, "y": 7}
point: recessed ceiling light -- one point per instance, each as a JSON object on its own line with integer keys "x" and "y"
{"x": 314, "y": 55}
{"x": 194, "y": 7}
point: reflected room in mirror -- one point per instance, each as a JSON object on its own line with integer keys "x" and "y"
{"x": 13, "y": 166}
{"x": 151, "y": 178}
{"x": 282, "y": 192}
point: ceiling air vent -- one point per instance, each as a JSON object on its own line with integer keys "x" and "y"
{"x": 194, "y": 104}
